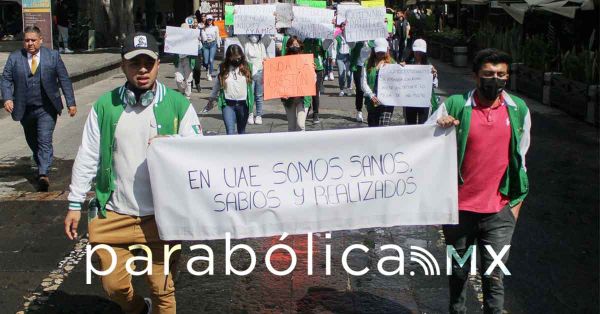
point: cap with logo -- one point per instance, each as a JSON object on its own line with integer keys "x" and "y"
{"x": 139, "y": 44}
{"x": 209, "y": 17}
{"x": 419, "y": 46}
{"x": 381, "y": 45}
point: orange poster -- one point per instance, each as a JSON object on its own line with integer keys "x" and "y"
{"x": 290, "y": 76}
{"x": 222, "y": 31}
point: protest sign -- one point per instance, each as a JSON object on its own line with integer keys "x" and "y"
{"x": 342, "y": 9}
{"x": 372, "y": 3}
{"x": 183, "y": 41}
{"x": 229, "y": 15}
{"x": 260, "y": 185}
{"x": 407, "y": 86}
{"x": 289, "y": 76}
{"x": 232, "y": 41}
{"x": 222, "y": 30}
{"x": 312, "y": 23}
{"x": 365, "y": 24}
{"x": 254, "y": 19}
{"x": 284, "y": 15}
{"x": 390, "y": 22}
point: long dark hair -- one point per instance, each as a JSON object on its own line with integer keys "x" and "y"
{"x": 234, "y": 51}
{"x": 291, "y": 41}
{"x": 373, "y": 59}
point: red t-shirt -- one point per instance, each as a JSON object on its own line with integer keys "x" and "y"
{"x": 485, "y": 160}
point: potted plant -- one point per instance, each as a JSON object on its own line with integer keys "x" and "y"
{"x": 536, "y": 56}
{"x": 576, "y": 90}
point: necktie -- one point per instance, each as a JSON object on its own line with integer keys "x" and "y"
{"x": 34, "y": 64}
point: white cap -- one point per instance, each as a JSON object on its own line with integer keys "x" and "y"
{"x": 419, "y": 45}
{"x": 381, "y": 45}
{"x": 209, "y": 17}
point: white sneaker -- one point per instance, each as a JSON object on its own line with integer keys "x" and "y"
{"x": 67, "y": 50}
{"x": 148, "y": 302}
{"x": 341, "y": 93}
{"x": 61, "y": 50}
{"x": 258, "y": 120}
{"x": 359, "y": 117}
{"x": 331, "y": 76}
{"x": 326, "y": 78}
{"x": 208, "y": 77}
{"x": 251, "y": 118}
{"x": 349, "y": 91}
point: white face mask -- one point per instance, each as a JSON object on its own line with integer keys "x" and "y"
{"x": 254, "y": 39}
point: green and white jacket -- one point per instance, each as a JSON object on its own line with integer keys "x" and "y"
{"x": 515, "y": 183}
{"x": 170, "y": 114}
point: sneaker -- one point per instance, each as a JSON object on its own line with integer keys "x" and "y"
{"x": 43, "y": 183}
{"x": 326, "y": 78}
{"x": 148, "y": 302}
{"x": 67, "y": 50}
{"x": 331, "y": 76}
{"x": 208, "y": 77}
{"x": 316, "y": 118}
{"x": 342, "y": 94}
{"x": 349, "y": 91}
{"x": 251, "y": 118}
{"x": 258, "y": 120}
{"x": 359, "y": 117}
{"x": 61, "y": 50}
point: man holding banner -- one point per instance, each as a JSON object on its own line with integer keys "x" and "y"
{"x": 119, "y": 128}
{"x": 493, "y": 138}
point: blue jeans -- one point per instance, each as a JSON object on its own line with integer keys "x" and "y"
{"x": 328, "y": 64}
{"x": 38, "y": 125}
{"x": 209, "y": 50}
{"x": 259, "y": 92}
{"x": 235, "y": 112}
{"x": 345, "y": 76}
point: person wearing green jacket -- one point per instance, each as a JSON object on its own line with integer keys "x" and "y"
{"x": 295, "y": 107}
{"x": 315, "y": 47}
{"x": 378, "y": 113}
{"x": 493, "y": 137}
{"x": 359, "y": 54}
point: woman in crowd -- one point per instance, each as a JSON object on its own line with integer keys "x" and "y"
{"x": 378, "y": 114}
{"x": 343, "y": 63}
{"x": 184, "y": 66}
{"x": 359, "y": 54}
{"x": 255, "y": 48}
{"x": 331, "y": 55}
{"x": 295, "y": 107}
{"x": 233, "y": 90}
{"x": 418, "y": 115}
{"x": 314, "y": 46}
{"x": 210, "y": 42}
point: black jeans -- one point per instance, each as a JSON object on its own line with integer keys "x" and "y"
{"x": 415, "y": 115}
{"x": 315, "y": 99}
{"x": 380, "y": 115}
{"x": 495, "y": 230}
{"x": 360, "y": 95}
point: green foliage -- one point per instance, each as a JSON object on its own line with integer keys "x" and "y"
{"x": 450, "y": 37}
{"x": 537, "y": 53}
{"x": 581, "y": 66}
{"x": 508, "y": 40}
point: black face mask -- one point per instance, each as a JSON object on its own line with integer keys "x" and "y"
{"x": 491, "y": 87}
{"x": 236, "y": 62}
{"x": 294, "y": 50}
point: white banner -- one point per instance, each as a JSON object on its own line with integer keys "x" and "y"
{"x": 284, "y": 15}
{"x": 183, "y": 41}
{"x": 312, "y": 23}
{"x": 342, "y": 9}
{"x": 406, "y": 86}
{"x": 260, "y": 185}
{"x": 254, "y": 19}
{"x": 365, "y": 24}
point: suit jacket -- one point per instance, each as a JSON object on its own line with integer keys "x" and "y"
{"x": 53, "y": 74}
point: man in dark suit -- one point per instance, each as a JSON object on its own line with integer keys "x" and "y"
{"x": 30, "y": 89}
